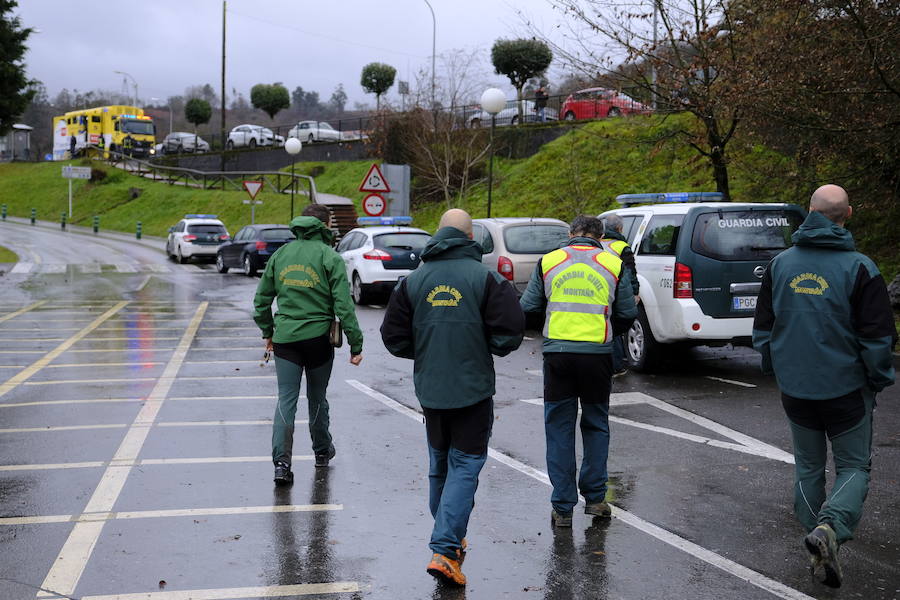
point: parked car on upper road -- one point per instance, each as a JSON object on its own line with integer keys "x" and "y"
{"x": 251, "y": 136}
{"x": 317, "y": 131}
{"x": 182, "y": 141}
{"x": 510, "y": 115}
{"x": 700, "y": 266}
{"x": 195, "y": 236}
{"x": 251, "y": 248}
{"x": 378, "y": 257}
{"x": 599, "y": 103}
{"x": 513, "y": 246}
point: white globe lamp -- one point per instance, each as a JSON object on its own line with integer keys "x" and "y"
{"x": 292, "y": 146}
{"x": 493, "y": 101}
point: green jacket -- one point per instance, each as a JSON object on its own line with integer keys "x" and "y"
{"x": 310, "y": 281}
{"x": 823, "y": 322}
{"x": 449, "y": 316}
{"x": 627, "y": 257}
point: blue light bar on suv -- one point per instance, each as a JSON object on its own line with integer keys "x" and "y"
{"x": 384, "y": 220}
{"x": 628, "y": 199}
{"x": 201, "y": 216}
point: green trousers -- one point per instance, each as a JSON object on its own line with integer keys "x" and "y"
{"x": 289, "y": 376}
{"x": 852, "y": 451}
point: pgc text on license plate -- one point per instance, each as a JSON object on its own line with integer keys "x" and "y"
{"x": 743, "y": 303}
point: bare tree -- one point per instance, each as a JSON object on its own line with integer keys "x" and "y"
{"x": 676, "y": 53}
{"x": 462, "y": 76}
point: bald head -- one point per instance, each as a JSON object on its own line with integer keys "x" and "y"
{"x": 832, "y": 201}
{"x": 613, "y": 223}
{"x": 458, "y": 218}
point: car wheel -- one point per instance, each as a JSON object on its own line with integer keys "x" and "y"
{"x": 360, "y": 296}
{"x": 252, "y": 143}
{"x": 613, "y": 112}
{"x": 642, "y": 351}
{"x": 168, "y": 250}
{"x": 179, "y": 256}
{"x": 249, "y": 270}
{"x": 570, "y": 116}
{"x": 475, "y": 123}
{"x": 220, "y": 264}
{"x": 514, "y": 120}
{"x": 310, "y": 139}
{"x": 229, "y": 145}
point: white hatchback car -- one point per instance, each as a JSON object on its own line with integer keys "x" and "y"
{"x": 700, "y": 266}
{"x": 196, "y": 236}
{"x": 378, "y": 257}
{"x": 251, "y": 136}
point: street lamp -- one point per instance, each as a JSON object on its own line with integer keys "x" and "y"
{"x": 133, "y": 82}
{"x": 433, "y": 51}
{"x": 492, "y": 102}
{"x": 154, "y": 98}
{"x": 292, "y": 146}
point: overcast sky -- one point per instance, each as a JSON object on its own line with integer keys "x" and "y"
{"x": 168, "y": 45}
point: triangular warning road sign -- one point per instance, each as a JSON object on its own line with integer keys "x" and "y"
{"x": 253, "y": 188}
{"x": 374, "y": 181}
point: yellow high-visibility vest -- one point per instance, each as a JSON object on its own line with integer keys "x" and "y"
{"x": 616, "y": 246}
{"x": 580, "y": 285}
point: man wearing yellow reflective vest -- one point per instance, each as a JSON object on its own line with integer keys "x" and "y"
{"x": 616, "y": 242}
{"x": 586, "y": 296}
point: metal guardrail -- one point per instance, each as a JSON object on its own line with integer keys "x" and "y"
{"x": 280, "y": 181}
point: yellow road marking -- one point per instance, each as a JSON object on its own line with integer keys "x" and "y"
{"x": 22, "y": 311}
{"x": 14, "y": 381}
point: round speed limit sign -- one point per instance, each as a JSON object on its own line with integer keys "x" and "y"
{"x": 374, "y": 205}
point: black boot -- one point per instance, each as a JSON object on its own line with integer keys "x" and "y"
{"x": 283, "y": 475}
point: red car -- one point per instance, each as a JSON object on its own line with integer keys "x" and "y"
{"x": 599, "y": 103}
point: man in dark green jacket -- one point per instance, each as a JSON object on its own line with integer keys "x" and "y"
{"x": 310, "y": 282}
{"x": 450, "y": 315}
{"x": 616, "y": 243}
{"x": 825, "y": 328}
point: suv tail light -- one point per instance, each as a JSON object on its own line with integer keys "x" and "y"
{"x": 261, "y": 245}
{"x": 224, "y": 237}
{"x": 189, "y": 237}
{"x": 683, "y": 285}
{"x": 377, "y": 254}
{"x": 505, "y": 267}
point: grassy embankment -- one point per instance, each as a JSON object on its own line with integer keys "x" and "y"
{"x": 580, "y": 172}
{"x": 8, "y": 256}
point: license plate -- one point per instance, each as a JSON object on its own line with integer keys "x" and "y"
{"x": 743, "y": 302}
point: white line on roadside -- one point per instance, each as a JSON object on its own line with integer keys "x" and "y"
{"x": 267, "y": 422}
{"x": 69, "y": 564}
{"x": 731, "y": 381}
{"x": 143, "y": 283}
{"x": 63, "y": 428}
{"x": 90, "y": 268}
{"x": 125, "y": 268}
{"x": 147, "y": 462}
{"x": 177, "y": 512}
{"x": 741, "y": 572}
{"x": 537, "y": 372}
{"x": 22, "y": 268}
{"x": 269, "y": 591}
{"x": 53, "y": 402}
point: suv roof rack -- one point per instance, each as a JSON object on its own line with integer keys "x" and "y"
{"x": 200, "y": 216}
{"x": 629, "y": 199}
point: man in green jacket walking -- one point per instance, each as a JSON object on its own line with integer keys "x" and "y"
{"x": 450, "y": 315}
{"x": 310, "y": 282}
{"x": 825, "y": 328}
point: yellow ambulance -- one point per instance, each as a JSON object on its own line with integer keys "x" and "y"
{"x": 122, "y": 129}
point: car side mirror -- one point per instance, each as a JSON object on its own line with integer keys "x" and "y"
{"x": 171, "y": 229}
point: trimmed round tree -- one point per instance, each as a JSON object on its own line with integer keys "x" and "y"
{"x": 377, "y": 78}
{"x": 197, "y": 111}
{"x": 520, "y": 60}
{"x": 270, "y": 98}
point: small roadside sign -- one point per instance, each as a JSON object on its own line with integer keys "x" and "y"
{"x": 374, "y": 181}
{"x": 374, "y": 205}
{"x": 253, "y": 188}
{"x": 76, "y": 172}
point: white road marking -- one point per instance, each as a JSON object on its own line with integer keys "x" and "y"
{"x": 148, "y": 338}
{"x": 177, "y": 512}
{"x": 51, "y": 466}
{"x": 63, "y": 428}
{"x": 156, "y": 268}
{"x": 22, "y": 268}
{"x": 126, "y": 268}
{"x": 52, "y": 402}
{"x": 66, "y": 571}
{"x": 86, "y": 381}
{"x": 143, "y": 283}
{"x": 537, "y": 372}
{"x": 22, "y": 376}
{"x": 267, "y": 422}
{"x": 188, "y": 398}
{"x": 22, "y": 311}
{"x": 741, "y": 572}
{"x": 731, "y": 381}
{"x": 55, "y": 269}
{"x": 89, "y": 268}
{"x": 110, "y": 364}
{"x": 124, "y": 350}
{"x": 614, "y": 400}
{"x": 268, "y": 591}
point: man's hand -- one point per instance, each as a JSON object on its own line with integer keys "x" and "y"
{"x": 268, "y": 344}
{"x": 355, "y": 359}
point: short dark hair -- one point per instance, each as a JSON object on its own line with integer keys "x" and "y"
{"x": 585, "y": 225}
{"x": 319, "y": 211}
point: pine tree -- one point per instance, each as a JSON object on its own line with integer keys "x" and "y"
{"x": 16, "y": 90}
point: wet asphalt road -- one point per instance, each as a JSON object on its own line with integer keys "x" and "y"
{"x": 134, "y": 460}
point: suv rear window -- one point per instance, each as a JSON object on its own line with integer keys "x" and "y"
{"x": 213, "y": 228}
{"x": 744, "y": 235}
{"x": 406, "y": 241}
{"x": 661, "y": 235}
{"x": 534, "y": 238}
{"x": 281, "y": 233}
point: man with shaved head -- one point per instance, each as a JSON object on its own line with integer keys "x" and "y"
{"x": 450, "y": 315}
{"x": 825, "y": 328}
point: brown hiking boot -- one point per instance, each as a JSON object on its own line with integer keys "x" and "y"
{"x": 461, "y": 551}
{"x": 598, "y": 509}
{"x": 446, "y": 570}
